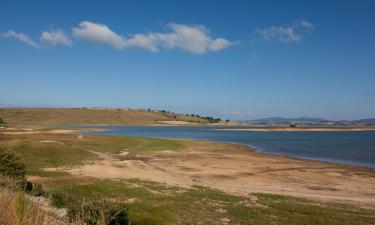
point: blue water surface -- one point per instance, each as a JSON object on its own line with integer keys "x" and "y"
{"x": 350, "y": 147}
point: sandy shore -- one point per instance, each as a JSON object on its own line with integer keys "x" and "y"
{"x": 239, "y": 170}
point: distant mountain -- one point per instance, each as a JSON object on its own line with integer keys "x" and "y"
{"x": 366, "y": 121}
{"x": 289, "y": 120}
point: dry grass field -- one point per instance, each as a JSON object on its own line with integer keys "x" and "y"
{"x": 81, "y": 116}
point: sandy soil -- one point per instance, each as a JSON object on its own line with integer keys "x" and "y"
{"x": 238, "y": 169}
{"x": 50, "y": 141}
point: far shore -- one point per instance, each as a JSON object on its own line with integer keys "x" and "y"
{"x": 303, "y": 129}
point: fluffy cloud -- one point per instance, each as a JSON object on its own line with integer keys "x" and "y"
{"x": 286, "y": 33}
{"x": 99, "y": 33}
{"x": 21, "y": 37}
{"x": 193, "y": 39}
{"x": 148, "y": 42}
{"x": 55, "y": 37}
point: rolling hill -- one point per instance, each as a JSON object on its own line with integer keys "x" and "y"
{"x": 92, "y": 116}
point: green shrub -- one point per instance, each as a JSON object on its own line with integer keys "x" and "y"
{"x": 2, "y": 121}
{"x": 97, "y": 212}
{"x": 36, "y": 190}
{"x": 58, "y": 199}
{"x": 13, "y": 167}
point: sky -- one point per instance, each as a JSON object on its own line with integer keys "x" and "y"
{"x": 235, "y": 60}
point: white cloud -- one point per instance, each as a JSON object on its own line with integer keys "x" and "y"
{"x": 21, "y": 37}
{"x": 193, "y": 39}
{"x": 305, "y": 24}
{"x": 148, "y": 42}
{"x": 286, "y": 33}
{"x": 220, "y": 43}
{"x": 99, "y": 33}
{"x": 55, "y": 37}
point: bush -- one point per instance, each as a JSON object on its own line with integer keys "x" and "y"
{"x": 2, "y": 121}
{"x": 57, "y": 199}
{"x": 97, "y": 212}
{"x": 13, "y": 167}
{"x": 35, "y": 189}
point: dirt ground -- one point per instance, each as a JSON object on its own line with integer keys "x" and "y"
{"x": 239, "y": 170}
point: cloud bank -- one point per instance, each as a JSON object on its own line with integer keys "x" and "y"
{"x": 195, "y": 39}
{"x": 289, "y": 33}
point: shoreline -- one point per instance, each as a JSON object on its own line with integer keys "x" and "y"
{"x": 233, "y": 168}
{"x": 240, "y": 169}
{"x": 279, "y": 129}
{"x": 255, "y": 149}
{"x": 90, "y": 130}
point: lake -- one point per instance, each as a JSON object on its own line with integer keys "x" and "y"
{"x": 350, "y": 147}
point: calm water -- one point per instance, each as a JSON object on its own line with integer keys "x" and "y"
{"x": 356, "y": 148}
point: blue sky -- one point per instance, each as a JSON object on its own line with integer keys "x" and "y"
{"x": 232, "y": 59}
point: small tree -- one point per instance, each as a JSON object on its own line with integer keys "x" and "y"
{"x": 2, "y": 121}
{"x": 11, "y": 166}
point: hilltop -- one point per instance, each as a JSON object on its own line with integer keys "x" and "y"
{"x": 308, "y": 120}
{"x": 369, "y": 121}
{"x": 97, "y": 116}
{"x": 289, "y": 120}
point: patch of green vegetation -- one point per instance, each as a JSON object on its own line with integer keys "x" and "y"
{"x": 155, "y": 203}
{"x": 135, "y": 146}
{"x": 12, "y": 166}
{"x": 138, "y": 144}
{"x": 291, "y": 210}
{"x": 98, "y": 212}
{"x": 38, "y": 156}
{"x": 35, "y": 189}
{"x": 58, "y": 199}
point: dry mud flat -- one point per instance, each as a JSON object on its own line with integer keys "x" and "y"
{"x": 239, "y": 170}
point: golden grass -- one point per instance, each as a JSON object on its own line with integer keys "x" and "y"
{"x": 16, "y": 210}
{"x": 68, "y": 116}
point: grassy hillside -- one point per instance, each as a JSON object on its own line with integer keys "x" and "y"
{"x": 67, "y": 116}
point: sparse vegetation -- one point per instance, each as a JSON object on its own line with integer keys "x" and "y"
{"x": 38, "y": 155}
{"x": 57, "y": 199}
{"x": 154, "y": 203}
{"x": 16, "y": 210}
{"x": 98, "y": 211}
{"x": 93, "y": 201}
